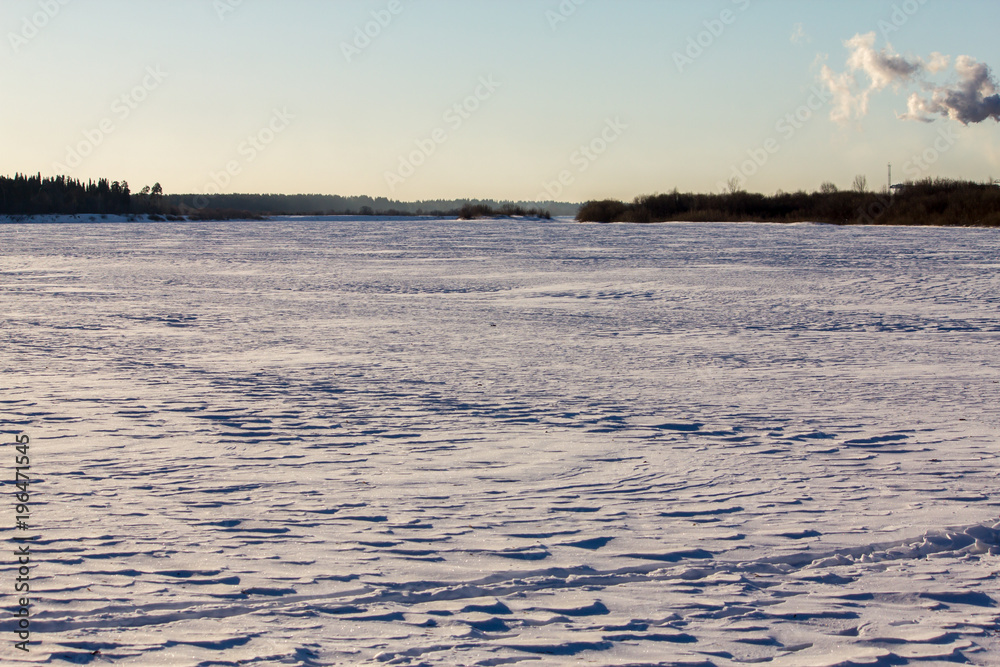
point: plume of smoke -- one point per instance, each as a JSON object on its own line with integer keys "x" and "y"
{"x": 938, "y": 63}
{"x": 882, "y": 68}
{"x": 845, "y": 102}
{"x": 973, "y": 99}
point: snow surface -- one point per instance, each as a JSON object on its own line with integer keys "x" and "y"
{"x": 317, "y": 442}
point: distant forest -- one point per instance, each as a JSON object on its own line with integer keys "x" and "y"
{"x": 30, "y": 195}
{"x": 928, "y": 202}
{"x": 34, "y": 195}
{"x": 274, "y": 204}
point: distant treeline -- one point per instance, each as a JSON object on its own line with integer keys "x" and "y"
{"x": 31, "y": 195}
{"x": 928, "y": 202}
{"x": 61, "y": 195}
{"x": 275, "y": 204}
{"x": 475, "y": 211}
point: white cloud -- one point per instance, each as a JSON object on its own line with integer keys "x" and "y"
{"x": 972, "y": 99}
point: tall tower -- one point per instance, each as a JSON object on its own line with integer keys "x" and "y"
{"x": 890, "y": 177}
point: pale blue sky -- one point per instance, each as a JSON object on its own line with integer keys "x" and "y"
{"x": 210, "y": 78}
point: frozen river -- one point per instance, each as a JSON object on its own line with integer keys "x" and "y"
{"x": 317, "y": 442}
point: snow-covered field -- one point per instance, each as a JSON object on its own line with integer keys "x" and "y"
{"x": 319, "y": 442}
